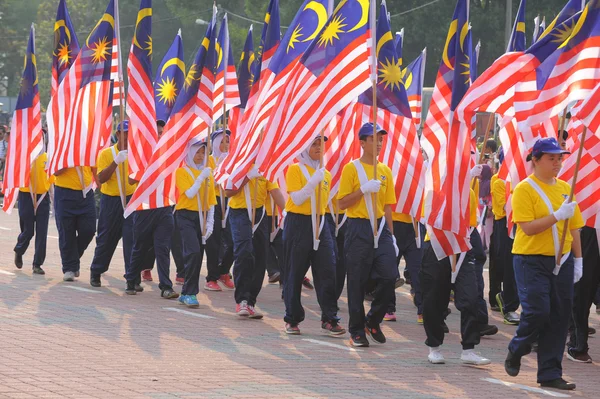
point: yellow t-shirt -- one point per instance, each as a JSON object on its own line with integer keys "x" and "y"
{"x": 70, "y": 178}
{"x": 111, "y": 186}
{"x": 493, "y": 179}
{"x": 402, "y": 217}
{"x": 263, "y": 187}
{"x": 295, "y": 180}
{"x": 528, "y": 206}
{"x": 184, "y": 181}
{"x": 476, "y": 188}
{"x": 499, "y": 198}
{"x": 334, "y": 206}
{"x": 40, "y": 182}
{"x": 349, "y": 183}
{"x": 473, "y": 215}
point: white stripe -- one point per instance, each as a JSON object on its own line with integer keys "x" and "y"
{"x": 186, "y": 312}
{"x": 329, "y": 344}
{"x": 83, "y": 289}
{"x": 6, "y": 273}
{"x": 5, "y": 228}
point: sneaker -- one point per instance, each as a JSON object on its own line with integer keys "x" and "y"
{"x": 253, "y": 313}
{"x": 147, "y": 275}
{"x": 359, "y": 341}
{"x": 420, "y": 319}
{"x": 77, "y": 273}
{"x": 488, "y": 330}
{"x": 376, "y": 334}
{"x": 189, "y": 300}
{"x": 591, "y": 331}
{"x": 445, "y": 327}
{"x": 468, "y": 356}
{"x": 390, "y": 316}
{"x": 227, "y": 282}
{"x": 169, "y": 294}
{"x": 333, "y": 328}
{"x": 130, "y": 290}
{"x": 38, "y": 270}
{"x": 292, "y": 329}
{"x": 69, "y": 276}
{"x": 212, "y": 286}
{"x": 274, "y": 278}
{"x": 242, "y": 309}
{"x": 559, "y": 383}
{"x": 435, "y": 356}
{"x": 179, "y": 280}
{"x": 95, "y": 280}
{"x": 578, "y": 357}
{"x": 138, "y": 288}
{"x": 399, "y": 282}
{"x": 511, "y": 318}
{"x": 18, "y": 261}
{"x": 512, "y": 364}
{"x": 307, "y": 284}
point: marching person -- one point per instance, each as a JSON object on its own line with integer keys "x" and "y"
{"x": 33, "y": 220}
{"x": 250, "y": 242}
{"x": 303, "y": 248}
{"x": 368, "y": 257}
{"x": 275, "y": 250}
{"x": 113, "y": 167}
{"x": 196, "y": 198}
{"x": 540, "y": 207}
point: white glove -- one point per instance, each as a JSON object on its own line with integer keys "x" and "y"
{"x": 121, "y": 157}
{"x": 210, "y": 224}
{"x": 254, "y": 173}
{"x": 476, "y": 171}
{"x": 578, "y": 269}
{"x": 316, "y": 178}
{"x": 372, "y": 186}
{"x": 566, "y": 211}
{"x": 205, "y": 174}
{"x": 395, "y": 245}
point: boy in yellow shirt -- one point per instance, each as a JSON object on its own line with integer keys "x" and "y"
{"x": 367, "y": 258}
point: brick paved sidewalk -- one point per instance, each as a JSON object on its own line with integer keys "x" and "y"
{"x": 68, "y": 340}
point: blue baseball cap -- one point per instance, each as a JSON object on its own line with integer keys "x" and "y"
{"x": 548, "y": 145}
{"x": 219, "y": 132}
{"x": 501, "y": 155}
{"x": 123, "y": 126}
{"x": 366, "y": 130}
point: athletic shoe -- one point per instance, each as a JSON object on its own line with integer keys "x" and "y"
{"x": 578, "y": 357}
{"x": 292, "y": 329}
{"x": 242, "y": 309}
{"x": 376, "y": 334}
{"x": 488, "y": 330}
{"x": 591, "y": 331}
{"x": 253, "y": 313}
{"x": 399, "y": 282}
{"x": 512, "y": 364}
{"x": 333, "y": 328}
{"x": 95, "y": 280}
{"x": 138, "y": 288}
{"x": 390, "y": 316}
{"x": 38, "y": 270}
{"x": 169, "y": 294}
{"x": 212, "y": 286}
{"x": 435, "y": 356}
{"x": 69, "y": 276}
{"x": 147, "y": 275}
{"x": 77, "y": 273}
{"x": 468, "y": 356}
{"x": 130, "y": 290}
{"x": 359, "y": 341}
{"x": 18, "y": 261}
{"x": 189, "y": 300}
{"x": 307, "y": 284}
{"x": 445, "y": 327}
{"x": 179, "y": 280}
{"x": 226, "y": 282}
{"x": 559, "y": 383}
{"x": 274, "y": 278}
{"x": 511, "y": 318}
{"x": 420, "y": 319}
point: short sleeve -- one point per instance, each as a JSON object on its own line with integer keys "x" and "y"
{"x": 576, "y": 222}
{"x": 182, "y": 180}
{"x": 523, "y": 204}
{"x": 271, "y": 186}
{"x": 104, "y": 159}
{"x": 293, "y": 179}
{"x": 348, "y": 181}
{"x": 390, "y": 192}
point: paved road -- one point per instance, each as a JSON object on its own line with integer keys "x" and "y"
{"x": 62, "y": 340}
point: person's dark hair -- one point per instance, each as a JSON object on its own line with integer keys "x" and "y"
{"x": 565, "y": 135}
{"x": 491, "y": 144}
{"x": 362, "y": 138}
{"x": 531, "y": 156}
{"x": 160, "y": 123}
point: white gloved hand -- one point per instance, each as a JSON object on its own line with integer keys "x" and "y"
{"x": 395, "y": 245}
{"x": 316, "y": 178}
{"x": 566, "y": 211}
{"x": 476, "y": 171}
{"x": 121, "y": 157}
{"x": 210, "y": 224}
{"x": 372, "y": 186}
{"x": 254, "y": 173}
{"x": 578, "y": 269}
{"x": 205, "y": 174}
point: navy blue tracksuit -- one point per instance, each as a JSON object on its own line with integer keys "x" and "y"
{"x": 193, "y": 249}
{"x": 477, "y": 253}
{"x": 504, "y": 259}
{"x": 112, "y": 226}
{"x": 338, "y": 249}
{"x": 364, "y": 263}
{"x": 546, "y": 302}
{"x": 219, "y": 247}
{"x": 76, "y": 222}
{"x": 176, "y": 249}
{"x": 298, "y": 256}
{"x": 250, "y": 254}
{"x": 33, "y": 224}
{"x": 275, "y": 251}
{"x": 152, "y": 228}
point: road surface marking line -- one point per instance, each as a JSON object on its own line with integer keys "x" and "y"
{"x": 187, "y": 312}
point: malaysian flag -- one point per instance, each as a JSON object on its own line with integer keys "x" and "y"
{"x": 517, "y": 37}
{"x": 116, "y": 69}
{"x": 204, "y": 101}
{"x": 226, "y": 93}
{"x": 81, "y": 123}
{"x": 333, "y": 71}
{"x": 413, "y": 77}
{"x": 399, "y": 42}
{"x": 140, "y": 96}
{"x": 539, "y": 28}
{"x": 156, "y": 188}
{"x": 169, "y": 80}
{"x": 66, "y": 46}
{"x": 26, "y": 130}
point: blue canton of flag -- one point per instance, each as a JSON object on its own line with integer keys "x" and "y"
{"x": 170, "y": 76}
{"x": 96, "y": 54}
{"x": 245, "y": 67}
{"x": 66, "y": 46}
{"x": 517, "y": 37}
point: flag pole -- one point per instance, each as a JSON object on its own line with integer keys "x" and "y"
{"x": 571, "y": 195}
{"x": 260, "y": 142}
{"x": 561, "y": 127}
{"x": 225, "y": 66}
{"x": 122, "y": 105}
{"x": 485, "y": 139}
{"x": 373, "y": 12}
{"x": 321, "y": 163}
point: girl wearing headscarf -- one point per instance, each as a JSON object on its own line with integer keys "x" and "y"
{"x": 193, "y": 180}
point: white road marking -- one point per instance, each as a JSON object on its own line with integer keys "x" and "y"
{"x": 5, "y": 228}
{"x": 7, "y": 273}
{"x": 527, "y": 388}
{"x": 56, "y": 238}
{"x": 316, "y": 341}
{"x": 187, "y": 312}
{"x": 83, "y": 289}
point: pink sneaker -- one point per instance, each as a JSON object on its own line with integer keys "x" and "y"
{"x": 253, "y": 313}
{"x": 147, "y": 275}
{"x": 179, "y": 280}
{"x": 242, "y": 309}
{"x": 212, "y": 286}
{"x": 390, "y": 317}
{"x": 226, "y": 282}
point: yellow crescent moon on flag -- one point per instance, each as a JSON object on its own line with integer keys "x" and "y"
{"x": 205, "y": 43}
{"x": 219, "y": 51}
{"x": 105, "y": 18}
{"x": 251, "y": 62}
{"x": 364, "y": 18}
{"x": 577, "y": 26}
{"x": 321, "y": 12}
{"x": 144, "y": 13}
{"x": 62, "y": 24}
{"x": 463, "y": 34}
{"x": 451, "y": 33}
{"x": 409, "y": 78}
{"x": 173, "y": 61}
{"x": 384, "y": 39}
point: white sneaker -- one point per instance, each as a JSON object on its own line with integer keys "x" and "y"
{"x": 435, "y": 356}
{"x": 470, "y": 357}
{"x": 69, "y": 276}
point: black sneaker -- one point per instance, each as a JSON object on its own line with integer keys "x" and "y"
{"x": 18, "y": 261}
{"x": 559, "y": 383}
{"x": 445, "y": 327}
{"x": 332, "y": 328}
{"x": 488, "y": 330}
{"x": 578, "y": 357}
{"x": 399, "y": 282}
{"x": 512, "y": 364}
{"x": 95, "y": 280}
{"x": 38, "y": 270}
{"x": 130, "y": 290}
{"x": 359, "y": 341}
{"x": 591, "y": 331}
{"x": 306, "y": 283}
{"x": 274, "y": 278}
{"x": 169, "y": 294}
{"x": 376, "y": 334}
{"x": 138, "y": 288}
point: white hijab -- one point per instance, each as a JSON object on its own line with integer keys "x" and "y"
{"x": 305, "y": 159}
{"x": 217, "y": 147}
{"x": 191, "y": 152}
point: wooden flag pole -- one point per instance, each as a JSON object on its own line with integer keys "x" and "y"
{"x": 122, "y": 104}
{"x": 485, "y": 139}
{"x": 375, "y": 140}
{"x": 207, "y": 182}
{"x": 260, "y": 142}
{"x": 321, "y": 163}
{"x": 571, "y": 195}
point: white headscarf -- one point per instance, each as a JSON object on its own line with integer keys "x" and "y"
{"x": 216, "y": 145}
{"x": 304, "y": 157}
{"x": 191, "y": 152}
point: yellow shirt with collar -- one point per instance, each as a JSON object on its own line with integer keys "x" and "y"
{"x": 349, "y": 183}
{"x": 263, "y": 187}
{"x": 183, "y": 181}
{"x": 295, "y": 181}
{"x": 528, "y": 206}
{"x": 111, "y": 186}
{"x": 499, "y": 198}
{"x": 70, "y": 178}
{"x": 38, "y": 176}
